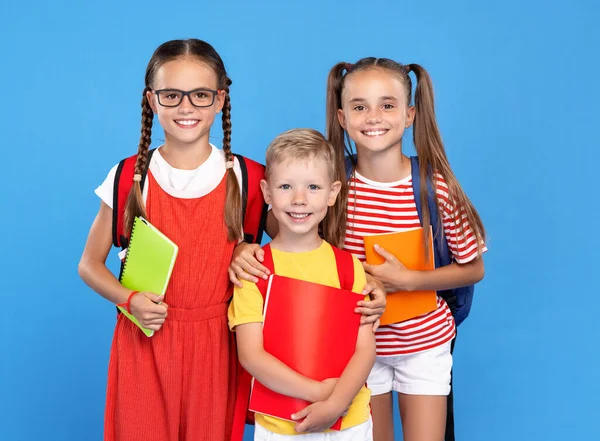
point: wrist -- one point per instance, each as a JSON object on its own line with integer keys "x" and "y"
{"x": 337, "y": 404}
{"x": 127, "y": 304}
{"x": 316, "y": 392}
{"x": 413, "y": 280}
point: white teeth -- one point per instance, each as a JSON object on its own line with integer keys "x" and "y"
{"x": 187, "y": 122}
{"x": 375, "y": 133}
{"x": 298, "y": 215}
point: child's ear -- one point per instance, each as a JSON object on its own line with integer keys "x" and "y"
{"x": 341, "y": 118}
{"x": 410, "y": 116}
{"x": 264, "y": 186}
{"x": 220, "y": 100}
{"x": 333, "y": 193}
{"x": 150, "y": 97}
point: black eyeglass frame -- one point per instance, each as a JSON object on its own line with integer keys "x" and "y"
{"x": 188, "y": 94}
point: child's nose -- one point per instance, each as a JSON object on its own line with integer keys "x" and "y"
{"x": 186, "y": 104}
{"x": 299, "y": 198}
{"x": 374, "y": 116}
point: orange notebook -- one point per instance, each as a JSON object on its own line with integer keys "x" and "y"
{"x": 312, "y": 328}
{"x": 408, "y": 247}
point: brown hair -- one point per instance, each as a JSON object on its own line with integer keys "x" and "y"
{"x": 426, "y": 136}
{"x": 308, "y": 144}
{"x": 166, "y": 52}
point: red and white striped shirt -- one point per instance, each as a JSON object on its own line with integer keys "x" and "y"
{"x": 375, "y": 208}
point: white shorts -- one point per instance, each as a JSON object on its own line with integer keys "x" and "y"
{"x": 362, "y": 432}
{"x": 423, "y": 373}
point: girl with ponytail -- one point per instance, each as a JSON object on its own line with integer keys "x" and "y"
{"x": 369, "y": 106}
{"x": 180, "y": 383}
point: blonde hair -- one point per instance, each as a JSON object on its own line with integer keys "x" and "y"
{"x": 308, "y": 144}
{"x": 300, "y": 145}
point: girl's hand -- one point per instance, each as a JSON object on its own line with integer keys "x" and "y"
{"x": 318, "y": 416}
{"x": 246, "y": 264}
{"x": 146, "y": 309}
{"x": 371, "y": 311}
{"x": 394, "y": 275}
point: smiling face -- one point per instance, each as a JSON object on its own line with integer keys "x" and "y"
{"x": 185, "y": 124}
{"x": 300, "y": 191}
{"x": 374, "y": 109}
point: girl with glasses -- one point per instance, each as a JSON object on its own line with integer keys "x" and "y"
{"x": 180, "y": 383}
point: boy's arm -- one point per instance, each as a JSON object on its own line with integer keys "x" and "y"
{"x": 355, "y": 375}
{"x": 271, "y": 372}
{"x": 320, "y": 416}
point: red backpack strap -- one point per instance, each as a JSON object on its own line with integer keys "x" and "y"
{"x": 345, "y": 268}
{"x": 254, "y": 209}
{"x": 241, "y": 415}
{"x": 263, "y": 284}
{"x": 121, "y": 188}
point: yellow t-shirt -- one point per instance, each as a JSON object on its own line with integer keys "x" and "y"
{"x": 317, "y": 266}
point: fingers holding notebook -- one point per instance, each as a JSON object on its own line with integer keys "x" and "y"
{"x": 317, "y": 417}
{"x": 148, "y": 310}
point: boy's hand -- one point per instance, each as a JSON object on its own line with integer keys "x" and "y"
{"x": 394, "y": 275}
{"x": 318, "y": 417}
{"x": 146, "y": 309}
{"x": 327, "y": 387}
{"x": 246, "y": 264}
{"x": 372, "y": 310}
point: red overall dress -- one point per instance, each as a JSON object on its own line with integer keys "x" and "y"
{"x": 180, "y": 384}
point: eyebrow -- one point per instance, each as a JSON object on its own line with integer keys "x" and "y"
{"x": 383, "y": 98}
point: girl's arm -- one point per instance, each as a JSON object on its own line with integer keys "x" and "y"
{"x": 92, "y": 269}
{"x": 246, "y": 263}
{"x": 92, "y": 266}
{"x": 396, "y": 277}
{"x": 448, "y": 277}
{"x": 321, "y": 416}
{"x": 271, "y": 372}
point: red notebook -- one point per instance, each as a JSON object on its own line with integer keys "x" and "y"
{"x": 312, "y": 328}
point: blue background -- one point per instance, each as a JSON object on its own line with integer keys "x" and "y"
{"x": 517, "y": 102}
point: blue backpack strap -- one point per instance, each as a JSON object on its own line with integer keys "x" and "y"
{"x": 349, "y": 163}
{"x": 441, "y": 251}
{"x": 459, "y": 299}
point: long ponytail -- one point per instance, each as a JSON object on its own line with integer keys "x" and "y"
{"x": 432, "y": 157}
{"x": 335, "y": 221}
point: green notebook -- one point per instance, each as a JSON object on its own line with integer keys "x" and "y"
{"x": 148, "y": 264}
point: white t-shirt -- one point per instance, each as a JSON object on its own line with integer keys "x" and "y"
{"x": 184, "y": 184}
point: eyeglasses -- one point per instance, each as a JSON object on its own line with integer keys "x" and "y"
{"x": 174, "y": 97}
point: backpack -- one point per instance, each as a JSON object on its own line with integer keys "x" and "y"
{"x": 253, "y": 219}
{"x": 459, "y": 300}
{"x": 242, "y": 416}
